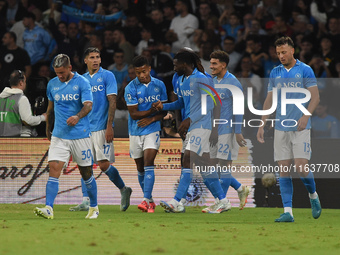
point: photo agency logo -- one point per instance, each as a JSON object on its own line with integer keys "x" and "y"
{"x": 292, "y": 96}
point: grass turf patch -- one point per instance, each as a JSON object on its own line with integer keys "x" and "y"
{"x": 250, "y": 231}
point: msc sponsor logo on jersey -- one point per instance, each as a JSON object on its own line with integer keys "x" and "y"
{"x": 188, "y": 92}
{"x": 222, "y": 95}
{"x": 98, "y": 88}
{"x": 149, "y": 99}
{"x": 290, "y": 84}
{"x": 75, "y": 87}
{"x": 67, "y": 97}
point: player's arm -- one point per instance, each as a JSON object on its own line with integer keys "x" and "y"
{"x": 109, "y": 132}
{"x": 49, "y": 119}
{"x": 73, "y": 120}
{"x": 147, "y": 121}
{"x": 313, "y": 103}
{"x": 214, "y": 132}
{"x": 266, "y": 105}
{"x": 137, "y": 115}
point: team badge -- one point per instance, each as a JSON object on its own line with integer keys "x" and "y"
{"x": 100, "y": 79}
{"x": 298, "y": 75}
{"x": 156, "y": 89}
{"x": 57, "y": 97}
{"x": 75, "y": 87}
{"x": 279, "y": 85}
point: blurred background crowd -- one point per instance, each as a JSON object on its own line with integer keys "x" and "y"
{"x": 34, "y": 31}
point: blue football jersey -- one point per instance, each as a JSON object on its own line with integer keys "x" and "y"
{"x": 103, "y": 83}
{"x": 227, "y": 105}
{"x": 189, "y": 94}
{"x": 143, "y": 95}
{"x": 299, "y": 76}
{"x": 68, "y": 100}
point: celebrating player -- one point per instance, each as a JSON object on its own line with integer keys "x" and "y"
{"x": 229, "y": 137}
{"x": 69, "y": 96}
{"x": 292, "y": 130}
{"x": 104, "y": 90}
{"x": 196, "y": 128}
{"x": 144, "y": 126}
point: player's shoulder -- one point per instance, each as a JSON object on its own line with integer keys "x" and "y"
{"x": 156, "y": 81}
{"x": 303, "y": 65}
{"x": 132, "y": 84}
{"x": 276, "y": 71}
{"x": 53, "y": 81}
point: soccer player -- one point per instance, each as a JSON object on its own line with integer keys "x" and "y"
{"x": 230, "y": 138}
{"x": 292, "y": 143}
{"x": 144, "y": 126}
{"x": 196, "y": 127}
{"x": 70, "y": 98}
{"x": 104, "y": 91}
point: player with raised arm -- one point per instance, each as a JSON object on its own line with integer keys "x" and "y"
{"x": 144, "y": 126}
{"x": 104, "y": 91}
{"x": 70, "y": 98}
{"x": 196, "y": 127}
{"x": 292, "y": 143}
{"x": 229, "y": 138}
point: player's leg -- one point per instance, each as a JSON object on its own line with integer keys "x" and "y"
{"x": 81, "y": 150}
{"x": 302, "y": 153}
{"x": 149, "y": 179}
{"x": 59, "y": 154}
{"x": 283, "y": 154}
{"x": 85, "y": 204}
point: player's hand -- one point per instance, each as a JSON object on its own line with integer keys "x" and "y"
{"x": 302, "y": 123}
{"x": 48, "y": 134}
{"x": 109, "y": 134}
{"x": 184, "y": 127}
{"x": 240, "y": 140}
{"x": 260, "y": 135}
{"x": 144, "y": 122}
{"x": 157, "y": 106}
{"x": 73, "y": 120}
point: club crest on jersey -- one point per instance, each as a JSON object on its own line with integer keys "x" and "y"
{"x": 100, "y": 79}
{"x": 156, "y": 89}
{"x": 279, "y": 85}
{"x": 191, "y": 84}
{"x": 298, "y": 75}
{"x": 75, "y": 87}
{"x": 57, "y": 97}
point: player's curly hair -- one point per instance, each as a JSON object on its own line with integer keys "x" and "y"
{"x": 188, "y": 56}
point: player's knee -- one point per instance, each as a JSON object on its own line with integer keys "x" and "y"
{"x": 86, "y": 172}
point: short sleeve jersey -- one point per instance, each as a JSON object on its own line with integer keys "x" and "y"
{"x": 68, "y": 99}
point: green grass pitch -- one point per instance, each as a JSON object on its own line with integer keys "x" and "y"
{"x": 250, "y": 231}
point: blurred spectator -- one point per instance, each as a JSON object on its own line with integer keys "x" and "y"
{"x": 234, "y": 57}
{"x": 307, "y": 49}
{"x": 254, "y": 49}
{"x": 78, "y": 4}
{"x": 203, "y": 14}
{"x": 36, "y": 39}
{"x": 249, "y": 79}
{"x": 322, "y": 10}
{"x": 301, "y": 25}
{"x": 119, "y": 68}
{"x": 15, "y": 12}
{"x": 329, "y": 56}
{"x": 266, "y": 11}
{"x": 109, "y": 45}
{"x": 158, "y": 25}
{"x": 280, "y": 27}
{"x": 146, "y": 36}
{"x": 169, "y": 12}
{"x": 182, "y": 27}
{"x": 323, "y": 124}
{"x": 3, "y": 17}
{"x": 120, "y": 40}
{"x": 233, "y": 26}
{"x": 205, "y": 50}
{"x": 333, "y": 31}
{"x": 20, "y": 114}
{"x": 132, "y": 30}
{"x": 12, "y": 58}
{"x": 271, "y": 62}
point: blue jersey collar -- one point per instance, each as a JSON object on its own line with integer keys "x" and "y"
{"x": 139, "y": 83}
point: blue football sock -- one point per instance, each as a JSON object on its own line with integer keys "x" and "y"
{"x": 149, "y": 181}
{"x": 83, "y": 188}
{"x": 213, "y": 184}
{"x": 52, "y": 188}
{"x": 225, "y": 180}
{"x": 91, "y": 187}
{"x": 185, "y": 180}
{"x": 309, "y": 182}
{"x": 234, "y": 183}
{"x": 186, "y": 193}
{"x": 286, "y": 188}
{"x": 114, "y": 176}
{"x": 141, "y": 180}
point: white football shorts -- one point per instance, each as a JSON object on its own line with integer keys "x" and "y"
{"x": 197, "y": 140}
{"x": 226, "y": 147}
{"x": 101, "y": 149}
{"x": 139, "y": 143}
